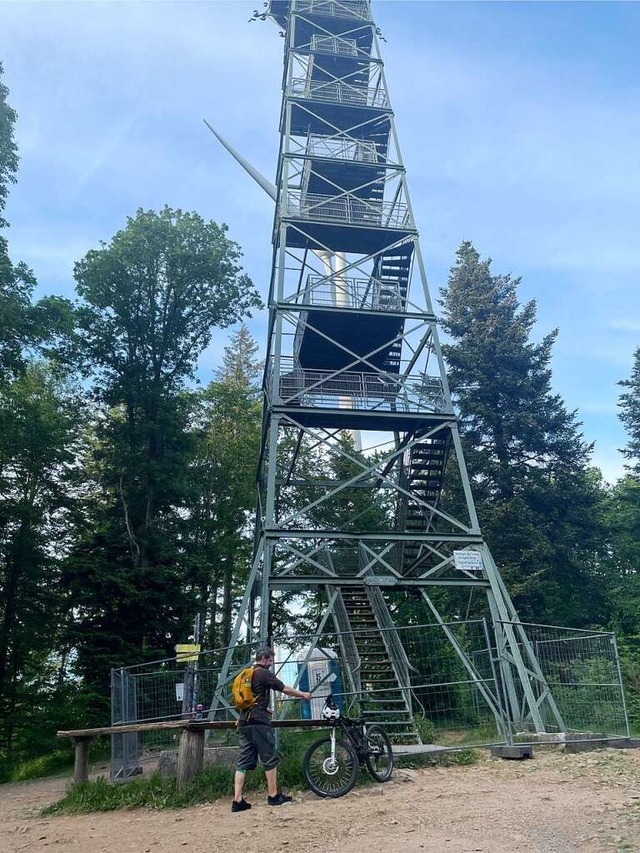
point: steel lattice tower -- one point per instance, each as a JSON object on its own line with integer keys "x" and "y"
{"x": 353, "y": 350}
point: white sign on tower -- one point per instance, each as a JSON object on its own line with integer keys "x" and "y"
{"x": 468, "y": 561}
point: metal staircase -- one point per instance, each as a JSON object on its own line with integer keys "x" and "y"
{"x": 391, "y": 272}
{"x": 385, "y": 699}
{"x": 423, "y": 477}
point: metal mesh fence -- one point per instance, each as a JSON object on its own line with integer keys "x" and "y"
{"x": 582, "y": 671}
{"x": 440, "y": 684}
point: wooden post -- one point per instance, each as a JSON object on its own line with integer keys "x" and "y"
{"x": 190, "y": 755}
{"x": 81, "y": 763}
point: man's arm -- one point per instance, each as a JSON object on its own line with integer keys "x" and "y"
{"x": 273, "y": 683}
{"x": 297, "y": 694}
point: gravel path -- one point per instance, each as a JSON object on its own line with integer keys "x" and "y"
{"x": 555, "y": 803}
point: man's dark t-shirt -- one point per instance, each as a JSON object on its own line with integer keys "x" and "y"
{"x": 263, "y": 681}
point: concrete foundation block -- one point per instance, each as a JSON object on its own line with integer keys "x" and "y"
{"x": 512, "y": 753}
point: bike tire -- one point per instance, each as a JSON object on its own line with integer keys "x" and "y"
{"x": 378, "y": 754}
{"x": 325, "y": 780}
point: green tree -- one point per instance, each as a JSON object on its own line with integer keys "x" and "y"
{"x": 151, "y": 299}
{"x": 223, "y": 476}
{"x": 23, "y": 325}
{"x": 240, "y": 366}
{"x": 38, "y": 421}
{"x": 630, "y": 414}
{"x": 538, "y": 501}
{"x": 622, "y": 559}
{"x": 8, "y": 148}
{"x": 352, "y": 508}
{"x": 39, "y": 418}
{"x": 621, "y": 551}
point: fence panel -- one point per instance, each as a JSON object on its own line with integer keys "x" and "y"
{"x": 427, "y": 683}
{"x": 583, "y": 674}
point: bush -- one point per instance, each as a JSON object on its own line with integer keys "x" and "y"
{"x": 425, "y": 729}
{"x": 51, "y": 764}
{"x": 45, "y": 765}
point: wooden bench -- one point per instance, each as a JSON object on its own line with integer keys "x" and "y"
{"x": 190, "y": 747}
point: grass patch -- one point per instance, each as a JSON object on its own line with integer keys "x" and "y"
{"x": 55, "y": 763}
{"x": 52, "y": 764}
{"x": 216, "y": 781}
{"x": 481, "y": 733}
{"x": 160, "y": 792}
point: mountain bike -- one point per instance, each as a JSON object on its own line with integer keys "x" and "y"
{"x": 331, "y": 764}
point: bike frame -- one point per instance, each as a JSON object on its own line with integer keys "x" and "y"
{"x": 357, "y": 741}
{"x": 347, "y": 748}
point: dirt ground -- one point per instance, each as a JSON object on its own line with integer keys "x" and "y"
{"x": 555, "y": 803}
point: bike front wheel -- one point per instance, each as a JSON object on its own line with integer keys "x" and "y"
{"x": 378, "y": 755}
{"x": 327, "y": 774}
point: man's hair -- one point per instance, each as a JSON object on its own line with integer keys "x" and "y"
{"x": 264, "y": 652}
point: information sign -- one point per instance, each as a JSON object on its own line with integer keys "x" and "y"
{"x": 468, "y": 561}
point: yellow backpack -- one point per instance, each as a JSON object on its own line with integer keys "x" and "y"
{"x": 241, "y": 693}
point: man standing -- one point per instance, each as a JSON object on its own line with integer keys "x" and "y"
{"x": 257, "y": 738}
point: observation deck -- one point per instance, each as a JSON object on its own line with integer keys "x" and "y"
{"x": 344, "y": 223}
{"x": 336, "y": 14}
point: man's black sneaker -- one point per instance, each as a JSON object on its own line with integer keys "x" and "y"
{"x": 242, "y": 806}
{"x": 280, "y": 799}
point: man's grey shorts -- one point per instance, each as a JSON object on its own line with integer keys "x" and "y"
{"x": 257, "y": 741}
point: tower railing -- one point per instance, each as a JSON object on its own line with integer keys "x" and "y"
{"x": 377, "y": 391}
{"x": 341, "y": 148}
{"x": 347, "y": 210}
{"x": 334, "y": 45}
{"x": 344, "y": 292}
{"x": 391, "y": 638}
{"x": 334, "y": 8}
{"x": 348, "y": 645}
{"x": 338, "y": 92}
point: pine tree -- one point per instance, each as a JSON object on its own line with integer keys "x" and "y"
{"x": 538, "y": 501}
{"x": 239, "y": 363}
{"x": 39, "y": 419}
{"x": 621, "y": 556}
{"x": 222, "y": 473}
{"x": 630, "y": 414}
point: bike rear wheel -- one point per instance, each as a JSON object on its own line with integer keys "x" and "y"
{"x": 327, "y": 775}
{"x": 378, "y": 754}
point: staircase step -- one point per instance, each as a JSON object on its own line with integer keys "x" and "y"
{"x": 378, "y": 683}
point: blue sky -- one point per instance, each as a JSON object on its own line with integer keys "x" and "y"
{"x": 519, "y": 125}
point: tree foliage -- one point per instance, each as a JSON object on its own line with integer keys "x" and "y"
{"x": 630, "y": 414}
{"x": 39, "y": 417}
{"x": 8, "y": 148}
{"x": 537, "y": 499}
{"x": 151, "y": 299}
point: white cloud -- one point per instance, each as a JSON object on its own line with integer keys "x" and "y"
{"x": 631, "y": 325}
